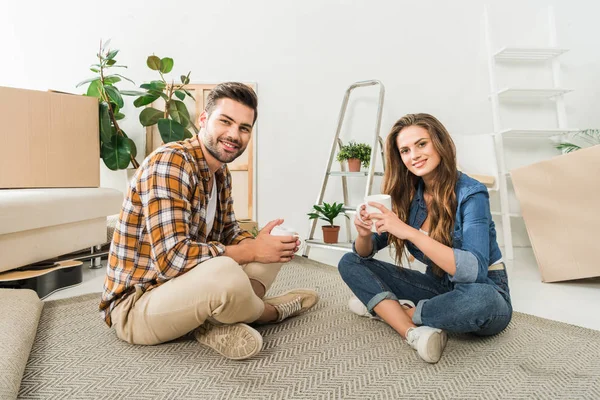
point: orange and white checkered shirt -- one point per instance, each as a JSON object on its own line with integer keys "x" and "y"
{"x": 161, "y": 231}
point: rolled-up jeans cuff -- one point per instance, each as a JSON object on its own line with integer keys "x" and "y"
{"x": 417, "y": 315}
{"x": 378, "y": 298}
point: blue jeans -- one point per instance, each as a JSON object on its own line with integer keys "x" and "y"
{"x": 479, "y": 308}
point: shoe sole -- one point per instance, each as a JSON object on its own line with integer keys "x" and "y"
{"x": 227, "y": 341}
{"x": 432, "y": 349}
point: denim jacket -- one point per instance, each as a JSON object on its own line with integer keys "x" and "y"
{"x": 474, "y": 236}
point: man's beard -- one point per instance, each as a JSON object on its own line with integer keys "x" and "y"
{"x": 212, "y": 146}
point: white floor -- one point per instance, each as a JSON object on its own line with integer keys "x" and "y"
{"x": 574, "y": 302}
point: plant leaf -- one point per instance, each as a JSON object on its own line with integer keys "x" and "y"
{"x": 112, "y": 55}
{"x": 105, "y": 127}
{"x": 158, "y": 93}
{"x": 105, "y": 45}
{"x": 166, "y": 65}
{"x": 179, "y": 112}
{"x": 94, "y": 70}
{"x": 111, "y": 80}
{"x": 124, "y": 77}
{"x": 95, "y": 90}
{"x": 119, "y": 116}
{"x": 153, "y": 63}
{"x": 116, "y": 153}
{"x": 87, "y": 80}
{"x": 567, "y": 147}
{"x": 133, "y": 93}
{"x": 188, "y": 134}
{"x": 150, "y": 116}
{"x": 114, "y": 95}
{"x": 189, "y": 94}
{"x": 110, "y": 63}
{"x": 170, "y": 131}
{"x": 144, "y": 100}
{"x": 132, "y": 146}
{"x": 180, "y": 95}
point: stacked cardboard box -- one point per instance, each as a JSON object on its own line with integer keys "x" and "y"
{"x": 560, "y": 205}
{"x": 48, "y": 140}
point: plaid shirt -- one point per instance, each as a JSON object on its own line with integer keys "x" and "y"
{"x": 161, "y": 231}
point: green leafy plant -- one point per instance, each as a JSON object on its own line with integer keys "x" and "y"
{"x": 174, "y": 121}
{"x": 360, "y": 151}
{"x": 327, "y": 212}
{"x": 577, "y": 140}
{"x": 116, "y": 149}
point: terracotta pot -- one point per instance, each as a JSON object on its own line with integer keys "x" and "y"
{"x": 330, "y": 233}
{"x": 354, "y": 165}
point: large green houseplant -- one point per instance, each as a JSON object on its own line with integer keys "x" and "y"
{"x": 356, "y": 154}
{"x": 116, "y": 149}
{"x": 173, "y": 121}
{"x": 328, "y": 212}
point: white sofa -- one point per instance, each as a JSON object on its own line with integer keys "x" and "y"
{"x": 38, "y": 224}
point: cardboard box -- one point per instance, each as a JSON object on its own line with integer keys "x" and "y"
{"x": 248, "y": 225}
{"x": 561, "y": 208}
{"x": 48, "y": 140}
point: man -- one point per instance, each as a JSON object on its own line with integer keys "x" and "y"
{"x": 179, "y": 262}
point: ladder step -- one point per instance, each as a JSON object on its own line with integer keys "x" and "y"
{"x": 346, "y": 173}
{"x": 530, "y": 94}
{"x": 342, "y": 246}
{"x": 528, "y": 53}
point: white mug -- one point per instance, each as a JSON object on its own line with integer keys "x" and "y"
{"x": 285, "y": 231}
{"x": 383, "y": 199}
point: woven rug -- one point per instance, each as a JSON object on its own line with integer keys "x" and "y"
{"x": 325, "y": 354}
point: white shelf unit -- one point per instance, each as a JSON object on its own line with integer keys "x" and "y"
{"x": 540, "y": 56}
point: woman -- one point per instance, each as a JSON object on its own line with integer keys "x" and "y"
{"x": 443, "y": 218}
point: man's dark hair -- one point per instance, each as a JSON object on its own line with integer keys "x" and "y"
{"x": 235, "y": 91}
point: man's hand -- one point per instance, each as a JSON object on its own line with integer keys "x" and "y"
{"x": 273, "y": 249}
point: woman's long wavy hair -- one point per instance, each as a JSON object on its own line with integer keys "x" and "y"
{"x": 401, "y": 184}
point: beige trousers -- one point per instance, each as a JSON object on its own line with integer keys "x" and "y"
{"x": 218, "y": 288}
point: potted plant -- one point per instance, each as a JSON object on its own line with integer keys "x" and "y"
{"x": 116, "y": 149}
{"x": 328, "y": 212}
{"x": 174, "y": 121}
{"x": 356, "y": 154}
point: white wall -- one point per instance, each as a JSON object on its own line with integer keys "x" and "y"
{"x": 430, "y": 55}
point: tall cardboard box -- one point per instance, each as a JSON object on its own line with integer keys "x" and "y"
{"x": 560, "y": 203}
{"x": 48, "y": 140}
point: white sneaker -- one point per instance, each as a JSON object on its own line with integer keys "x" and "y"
{"x": 428, "y": 342}
{"x": 357, "y": 307}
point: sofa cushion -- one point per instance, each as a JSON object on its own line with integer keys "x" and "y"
{"x": 27, "y": 209}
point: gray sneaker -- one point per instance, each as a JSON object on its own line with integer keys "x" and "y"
{"x": 428, "y": 342}
{"x": 236, "y": 342}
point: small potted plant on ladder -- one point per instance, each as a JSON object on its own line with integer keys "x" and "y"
{"x": 328, "y": 212}
{"x": 356, "y": 154}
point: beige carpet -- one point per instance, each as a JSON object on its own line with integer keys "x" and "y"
{"x": 326, "y": 354}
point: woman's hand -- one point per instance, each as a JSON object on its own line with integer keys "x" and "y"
{"x": 363, "y": 228}
{"x": 389, "y": 222}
